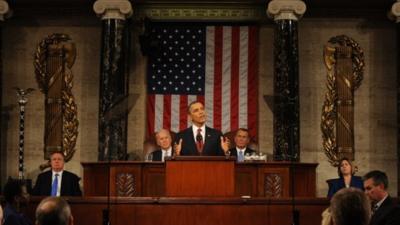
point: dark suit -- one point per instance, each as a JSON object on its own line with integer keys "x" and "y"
{"x": 69, "y": 184}
{"x": 247, "y": 151}
{"x": 336, "y": 184}
{"x": 12, "y": 217}
{"x": 387, "y": 214}
{"x": 156, "y": 155}
{"x": 212, "y": 142}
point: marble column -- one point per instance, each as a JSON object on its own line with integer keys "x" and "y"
{"x": 113, "y": 77}
{"x": 4, "y": 11}
{"x": 394, "y": 14}
{"x": 286, "y": 14}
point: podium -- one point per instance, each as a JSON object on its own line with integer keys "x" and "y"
{"x": 200, "y": 176}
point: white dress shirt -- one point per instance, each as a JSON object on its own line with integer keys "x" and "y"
{"x": 166, "y": 153}
{"x": 203, "y": 132}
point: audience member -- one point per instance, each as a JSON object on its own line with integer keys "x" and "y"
{"x": 54, "y": 211}
{"x": 384, "y": 209}
{"x": 1, "y": 215}
{"x": 350, "y": 206}
{"x": 241, "y": 139}
{"x": 164, "y": 141}
{"x": 200, "y": 139}
{"x": 57, "y": 181}
{"x": 17, "y": 198}
{"x": 346, "y": 178}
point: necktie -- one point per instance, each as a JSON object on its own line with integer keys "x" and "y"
{"x": 374, "y": 208}
{"x": 240, "y": 156}
{"x": 199, "y": 141}
{"x": 54, "y": 186}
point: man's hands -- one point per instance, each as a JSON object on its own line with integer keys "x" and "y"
{"x": 225, "y": 144}
{"x": 178, "y": 147}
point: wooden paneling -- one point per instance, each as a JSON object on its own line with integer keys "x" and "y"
{"x": 153, "y": 179}
{"x": 245, "y": 180}
{"x": 256, "y": 179}
{"x": 200, "y": 177}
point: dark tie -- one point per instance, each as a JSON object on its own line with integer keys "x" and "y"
{"x": 54, "y": 186}
{"x": 374, "y": 208}
{"x": 199, "y": 141}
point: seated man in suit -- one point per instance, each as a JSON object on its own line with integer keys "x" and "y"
{"x": 57, "y": 181}
{"x": 242, "y": 139}
{"x": 385, "y": 211}
{"x": 54, "y": 211}
{"x": 164, "y": 141}
{"x": 200, "y": 139}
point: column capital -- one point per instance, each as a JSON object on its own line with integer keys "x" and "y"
{"x": 286, "y": 9}
{"x": 113, "y": 9}
{"x": 4, "y": 10}
{"x": 394, "y": 13}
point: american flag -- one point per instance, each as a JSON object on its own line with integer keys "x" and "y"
{"x": 216, "y": 65}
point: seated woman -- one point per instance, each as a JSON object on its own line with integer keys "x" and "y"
{"x": 346, "y": 178}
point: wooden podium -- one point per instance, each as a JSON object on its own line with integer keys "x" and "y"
{"x": 200, "y": 176}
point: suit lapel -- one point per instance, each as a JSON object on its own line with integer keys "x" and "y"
{"x": 207, "y": 140}
{"x": 192, "y": 143}
{"x": 48, "y": 183}
{"x": 63, "y": 182}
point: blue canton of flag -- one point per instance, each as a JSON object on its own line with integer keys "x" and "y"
{"x": 179, "y": 65}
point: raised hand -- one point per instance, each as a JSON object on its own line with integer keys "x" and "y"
{"x": 225, "y": 144}
{"x": 178, "y": 147}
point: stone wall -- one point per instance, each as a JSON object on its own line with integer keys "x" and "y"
{"x": 375, "y": 101}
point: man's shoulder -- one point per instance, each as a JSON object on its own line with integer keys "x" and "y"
{"x": 250, "y": 149}
{"x": 213, "y": 131}
{"x": 69, "y": 174}
{"x": 158, "y": 151}
{"x": 45, "y": 173}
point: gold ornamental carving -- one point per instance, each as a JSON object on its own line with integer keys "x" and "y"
{"x": 201, "y": 12}
{"x": 344, "y": 60}
{"x": 273, "y": 186}
{"x": 54, "y": 58}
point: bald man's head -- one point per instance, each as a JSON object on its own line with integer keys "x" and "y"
{"x": 53, "y": 211}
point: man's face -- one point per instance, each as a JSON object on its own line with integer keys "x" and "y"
{"x": 197, "y": 114}
{"x": 242, "y": 139}
{"x": 374, "y": 193}
{"x": 164, "y": 139}
{"x": 57, "y": 162}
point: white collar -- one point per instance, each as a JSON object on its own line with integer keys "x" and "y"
{"x": 53, "y": 173}
{"x": 195, "y": 128}
{"x": 378, "y": 204}
{"x": 241, "y": 149}
{"x": 167, "y": 150}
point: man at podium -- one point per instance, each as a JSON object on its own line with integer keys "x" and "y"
{"x": 199, "y": 139}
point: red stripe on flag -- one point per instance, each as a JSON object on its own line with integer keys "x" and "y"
{"x": 235, "y": 77}
{"x": 167, "y": 112}
{"x": 201, "y": 98}
{"x": 218, "y": 45}
{"x": 150, "y": 114}
{"x": 183, "y": 104}
{"x": 252, "y": 81}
